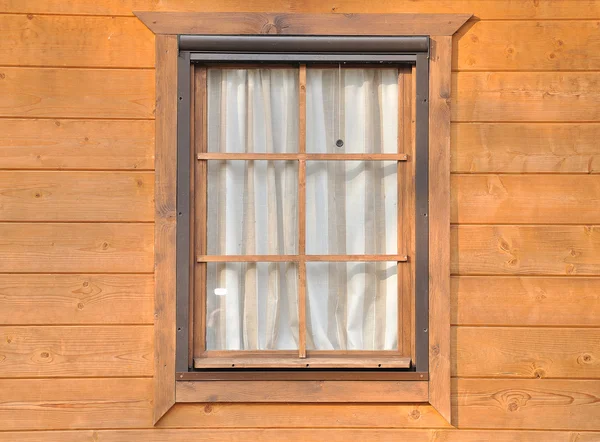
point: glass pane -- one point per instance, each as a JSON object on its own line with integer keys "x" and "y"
{"x": 253, "y": 110}
{"x": 367, "y": 102}
{"x": 351, "y": 207}
{"x": 252, "y": 207}
{"x": 352, "y": 306}
{"x": 252, "y": 306}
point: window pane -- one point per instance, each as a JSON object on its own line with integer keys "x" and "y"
{"x": 252, "y": 207}
{"x": 366, "y": 100}
{"x": 253, "y": 110}
{"x": 351, "y": 207}
{"x": 352, "y": 306}
{"x": 252, "y": 306}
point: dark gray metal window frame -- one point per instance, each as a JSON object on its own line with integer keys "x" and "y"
{"x": 299, "y": 49}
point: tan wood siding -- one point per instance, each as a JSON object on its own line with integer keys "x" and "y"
{"x": 526, "y": 199}
{"x": 527, "y": 300}
{"x": 86, "y": 351}
{"x": 76, "y": 93}
{"x": 77, "y": 106}
{"x": 526, "y": 250}
{"x": 76, "y": 299}
{"x": 523, "y": 352}
{"x": 76, "y": 144}
{"x": 76, "y": 196}
{"x": 76, "y": 247}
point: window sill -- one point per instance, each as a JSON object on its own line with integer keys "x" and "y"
{"x": 302, "y": 391}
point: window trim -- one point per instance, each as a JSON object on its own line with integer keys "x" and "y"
{"x": 439, "y": 27}
{"x": 202, "y": 48}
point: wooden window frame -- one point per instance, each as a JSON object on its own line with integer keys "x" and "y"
{"x": 171, "y": 387}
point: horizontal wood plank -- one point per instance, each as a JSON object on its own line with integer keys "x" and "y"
{"x": 525, "y": 199}
{"x": 277, "y": 361}
{"x": 302, "y": 391}
{"x": 76, "y": 299}
{"x": 527, "y": 46}
{"x": 528, "y": 300}
{"x": 81, "y": 351}
{"x": 256, "y": 415}
{"x": 525, "y": 96}
{"x": 526, "y": 250}
{"x": 76, "y": 93}
{"x": 76, "y": 144}
{"x": 525, "y": 403}
{"x": 45, "y": 404}
{"x": 76, "y": 196}
{"x": 514, "y": 9}
{"x": 525, "y": 147}
{"x": 235, "y": 23}
{"x": 298, "y": 435}
{"x": 522, "y": 352}
{"x": 46, "y": 40}
{"x": 76, "y": 248}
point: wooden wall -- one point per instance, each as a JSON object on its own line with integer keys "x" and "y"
{"x": 76, "y": 230}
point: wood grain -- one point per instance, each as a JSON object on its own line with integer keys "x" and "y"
{"x": 526, "y": 96}
{"x": 439, "y": 224}
{"x": 45, "y": 404}
{"x": 536, "y": 301}
{"x": 547, "y": 404}
{"x": 284, "y": 415}
{"x": 526, "y": 199}
{"x": 76, "y": 93}
{"x": 525, "y": 147}
{"x": 527, "y": 46}
{"x": 81, "y": 351}
{"x": 76, "y": 144}
{"x": 521, "y": 352}
{"x": 526, "y": 250}
{"x": 514, "y": 9}
{"x": 302, "y": 391}
{"x": 76, "y": 196}
{"x": 165, "y": 206}
{"x": 76, "y": 299}
{"x": 299, "y": 435}
{"x": 75, "y": 247}
{"x": 223, "y": 23}
{"x": 44, "y": 40}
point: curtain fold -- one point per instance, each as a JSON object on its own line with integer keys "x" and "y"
{"x": 252, "y": 209}
{"x": 351, "y": 208}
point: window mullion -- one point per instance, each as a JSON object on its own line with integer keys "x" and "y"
{"x": 302, "y": 212}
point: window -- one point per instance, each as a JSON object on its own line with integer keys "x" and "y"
{"x": 293, "y": 223}
{"x": 298, "y": 203}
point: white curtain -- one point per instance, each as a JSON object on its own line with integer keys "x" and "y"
{"x": 351, "y": 208}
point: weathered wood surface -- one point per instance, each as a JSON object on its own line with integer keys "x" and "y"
{"x": 527, "y": 300}
{"x": 525, "y": 147}
{"x": 76, "y": 144}
{"x": 76, "y": 93}
{"x": 526, "y": 199}
{"x": 526, "y": 96}
{"x": 527, "y": 404}
{"x": 76, "y": 247}
{"x": 75, "y": 41}
{"x": 44, "y": 404}
{"x": 299, "y": 435}
{"x": 303, "y": 391}
{"x": 302, "y": 416}
{"x": 76, "y": 196}
{"x": 76, "y": 299}
{"x": 487, "y": 9}
{"x": 521, "y": 352}
{"x": 526, "y": 250}
{"x": 53, "y": 351}
{"x": 165, "y": 223}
